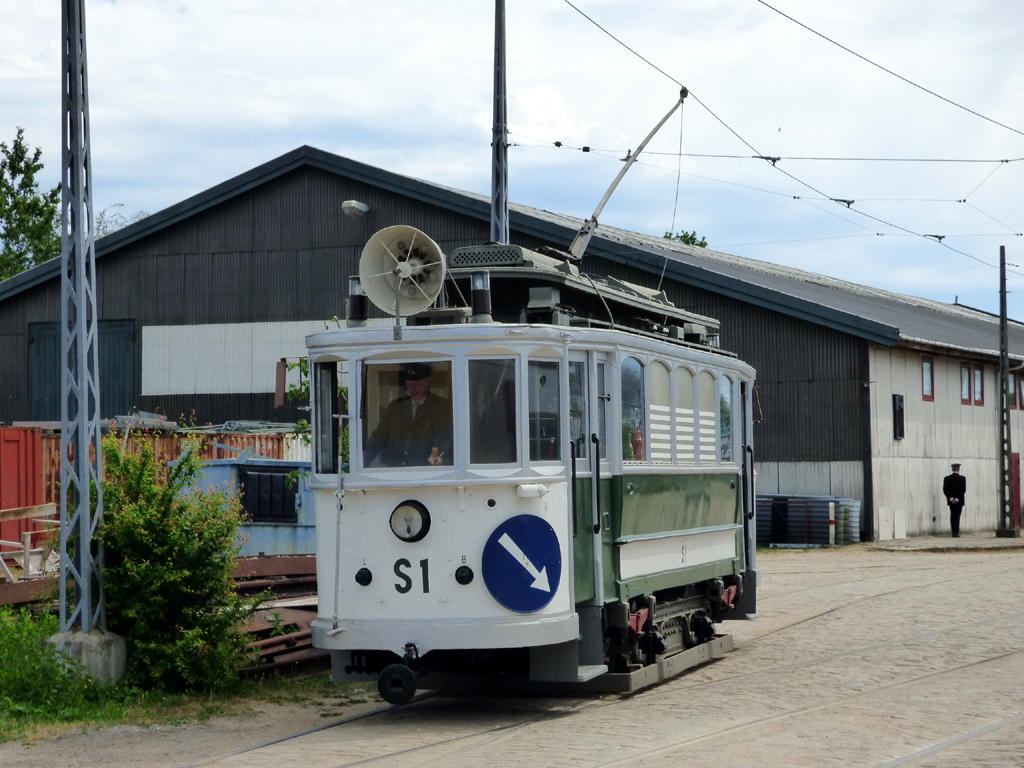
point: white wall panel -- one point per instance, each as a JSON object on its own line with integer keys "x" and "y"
{"x": 767, "y": 477}
{"x": 219, "y": 359}
{"x": 907, "y": 474}
{"x": 804, "y": 477}
{"x": 844, "y": 479}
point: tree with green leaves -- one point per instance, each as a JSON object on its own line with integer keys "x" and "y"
{"x": 29, "y": 217}
{"x": 169, "y": 553}
{"x": 113, "y": 218}
{"x": 687, "y": 238}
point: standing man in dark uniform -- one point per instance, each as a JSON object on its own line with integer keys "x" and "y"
{"x": 415, "y": 430}
{"x": 954, "y": 488}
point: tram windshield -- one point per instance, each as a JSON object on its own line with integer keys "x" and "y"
{"x": 407, "y": 414}
{"x": 492, "y": 411}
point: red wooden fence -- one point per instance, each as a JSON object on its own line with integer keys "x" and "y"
{"x": 168, "y": 445}
{"x": 30, "y": 464}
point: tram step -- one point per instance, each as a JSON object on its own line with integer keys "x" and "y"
{"x": 589, "y": 672}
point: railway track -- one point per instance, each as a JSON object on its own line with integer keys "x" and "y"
{"x": 887, "y": 673}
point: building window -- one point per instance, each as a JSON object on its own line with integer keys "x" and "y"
{"x": 928, "y": 379}
{"x": 965, "y": 383}
{"x": 1012, "y": 390}
{"x": 979, "y": 384}
{"x": 898, "y": 423}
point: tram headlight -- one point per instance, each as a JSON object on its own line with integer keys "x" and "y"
{"x": 410, "y": 521}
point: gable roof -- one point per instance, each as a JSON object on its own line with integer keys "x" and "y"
{"x": 881, "y": 317}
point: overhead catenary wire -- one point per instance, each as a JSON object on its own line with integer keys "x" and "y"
{"x": 559, "y": 144}
{"x": 981, "y": 161}
{"x": 889, "y": 71}
{"x": 616, "y": 154}
{"x": 848, "y": 203}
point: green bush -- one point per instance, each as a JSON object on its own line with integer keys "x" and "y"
{"x": 169, "y": 554}
{"x": 35, "y": 678}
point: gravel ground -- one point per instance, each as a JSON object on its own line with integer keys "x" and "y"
{"x": 871, "y": 655}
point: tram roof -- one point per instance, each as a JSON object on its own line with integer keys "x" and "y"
{"x": 879, "y": 316}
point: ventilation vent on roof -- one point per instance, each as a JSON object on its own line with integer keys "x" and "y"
{"x": 487, "y": 256}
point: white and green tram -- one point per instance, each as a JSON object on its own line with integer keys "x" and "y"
{"x": 573, "y": 508}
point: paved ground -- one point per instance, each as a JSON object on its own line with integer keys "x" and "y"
{"x": 887, "y": 654}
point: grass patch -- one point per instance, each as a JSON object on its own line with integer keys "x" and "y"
{"x": 125, "y": 705}
{"x": 44, "y": 693}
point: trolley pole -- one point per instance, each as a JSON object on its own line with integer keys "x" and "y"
{"x": 1009, "y": 527}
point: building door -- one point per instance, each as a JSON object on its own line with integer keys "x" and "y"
{"x": 117, "y": 369}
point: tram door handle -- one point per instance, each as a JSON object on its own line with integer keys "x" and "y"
{"x": 597, "y": 481}
{"x": 576, "y": 445}
{"x": 748, "y": 477}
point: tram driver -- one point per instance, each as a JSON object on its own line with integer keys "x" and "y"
{"x": 415, "y": 430}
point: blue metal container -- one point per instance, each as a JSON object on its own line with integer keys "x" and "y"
{"x": 280, "y": 513}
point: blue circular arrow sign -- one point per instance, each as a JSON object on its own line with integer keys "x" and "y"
{"x": 522, "y": 563}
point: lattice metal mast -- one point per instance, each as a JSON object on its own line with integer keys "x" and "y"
{"x": 81, "y": 555}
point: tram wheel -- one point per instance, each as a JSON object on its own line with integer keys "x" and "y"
{"x": 397, "y": 684}
{"x": 703, "y": 627}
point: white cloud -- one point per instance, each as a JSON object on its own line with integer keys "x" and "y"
{"x": 189, "y": 93}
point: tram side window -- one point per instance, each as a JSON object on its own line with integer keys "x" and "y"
{"x": 725, "y": 417}
{"x": 685, "y": 444}
{"x": 492, "y": 412}
{"x": 331, "y": 406}
{"x": 708, "y": 409}
{"x": 661, "y": 413}
{"x": 603, "y": 397}
{"x": 633, "y": 422}
{"x": 545, "y": 411}
{"x": 407, "y": 414}
{"x": 578, "y": 408}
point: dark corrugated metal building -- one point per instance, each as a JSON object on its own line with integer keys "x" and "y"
{"x": 198, "y": 301}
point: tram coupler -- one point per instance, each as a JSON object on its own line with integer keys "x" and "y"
{"x": 397, "y": 682}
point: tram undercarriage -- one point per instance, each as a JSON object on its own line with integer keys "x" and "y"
{"x": 645, "y": 641}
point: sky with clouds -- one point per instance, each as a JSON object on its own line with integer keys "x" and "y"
{"x": 185, "y": 94}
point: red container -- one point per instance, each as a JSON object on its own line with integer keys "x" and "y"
{"x": 21, "y": 476}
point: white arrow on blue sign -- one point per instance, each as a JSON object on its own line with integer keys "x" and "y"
{"x": 522, "y": 563}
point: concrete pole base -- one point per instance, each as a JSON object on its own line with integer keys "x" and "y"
{"x": 103, "y": 654}
{"x": 1008, "y": 533}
